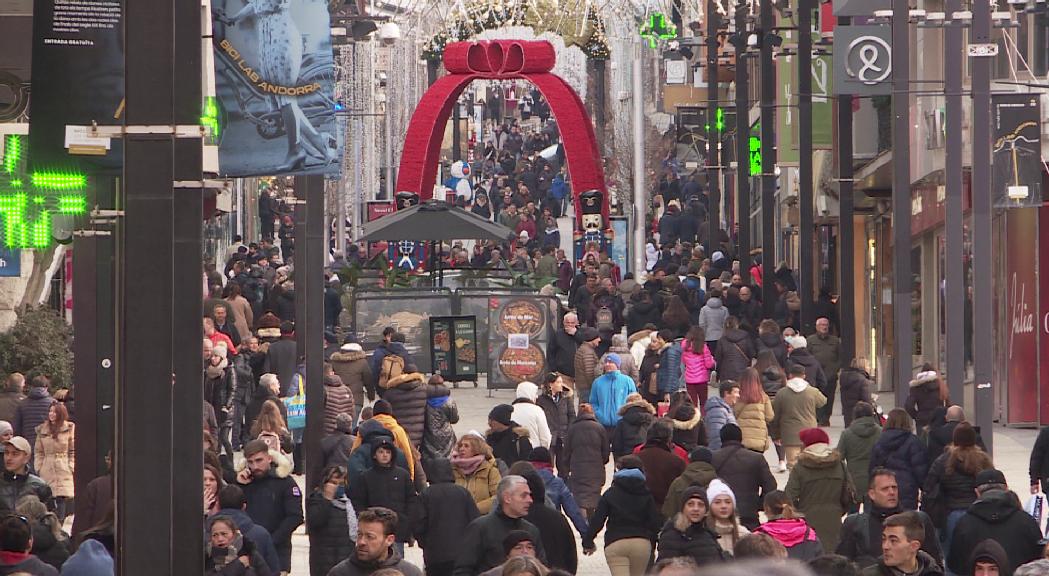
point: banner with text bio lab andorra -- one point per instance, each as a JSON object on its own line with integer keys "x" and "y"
{"x": 274, "y": 77}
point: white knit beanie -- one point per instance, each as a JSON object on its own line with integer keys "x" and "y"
{"x": 719, "y": 488}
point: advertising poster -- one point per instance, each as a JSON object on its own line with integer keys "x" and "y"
{"x": 519, "y": 331}
{"x": 453, "y": 347}
{"x": 77, "y": 79}
{"x": 1016, "y": 151}
{"x": 274, "y": 76}
{"x": 1022, "y": 302}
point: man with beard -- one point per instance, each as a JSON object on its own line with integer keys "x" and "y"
{"x": 376, "y": 533}
{"x": 274, "y": 499}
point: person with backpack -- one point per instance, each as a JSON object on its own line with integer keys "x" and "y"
{"x": 392, "y": 344}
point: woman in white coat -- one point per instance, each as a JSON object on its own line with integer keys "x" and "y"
{"x": 529, "y": 415}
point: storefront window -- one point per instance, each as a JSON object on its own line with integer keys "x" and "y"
{"x": 916, "y": 300}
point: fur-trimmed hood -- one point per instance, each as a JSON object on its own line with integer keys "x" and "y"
{"x": 643, "y": 404}
{"x": 521, "y": 431}
{"x": 924, "y": 378}
{"x": 639, "y": 335}
{"x": 417, "y": 378}
{"x": 687, "y": 424}
{"x": 819, "y": 455}
{"x": 281, "y": 464}
{"x": 347, "y": 356}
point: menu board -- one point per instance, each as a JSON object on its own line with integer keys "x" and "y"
{"x": 453, "y": 347}
{"x": 518, "y": 334}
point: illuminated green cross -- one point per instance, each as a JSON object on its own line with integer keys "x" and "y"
{"x": 656, "y": 28}
{"x": 28, "y": 201}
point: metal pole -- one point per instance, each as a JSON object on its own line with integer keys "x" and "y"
{"x": 954, "y": 260}
{"x": 187, "y": 451}
{"x": 391, "y": 173}
{"x": 742, "y": 145}
{"x": 355, "y": 197}
{"x": 901, "y": 201}
{"x": 768, "y": 159}
{"x": 713, "y": 134}
{"x": 983, "y": 354}
{"x": 640, "y": 202}
{"x": 807, "y": 221}
{"x": 144, "y": 517}
{"x": 457, "y": 153}
{"x": 599, "y": 103}
{"x": 846, "y": 231}
{"x": 310, "y": 260}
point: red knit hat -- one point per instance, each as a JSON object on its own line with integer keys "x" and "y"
{"x": 810, "y": 436}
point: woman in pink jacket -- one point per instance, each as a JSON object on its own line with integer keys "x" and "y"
{"x": 698, "y": 362}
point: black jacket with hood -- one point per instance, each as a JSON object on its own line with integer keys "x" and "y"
{"x": 996, "y": 516}
{"x": 388, "y": 486}
{"x": 813, "y": 370}
{"x": 861, "y": 536}
{"x": 445, "y": 510}
{"x": 927, "y": 566}
{"x": 774, "y": 342}
{"x": 556, "y": 532}
{"x": 636, "y": 418}
{"x": 734, "y": 352}
{"x": 628, "y": 508}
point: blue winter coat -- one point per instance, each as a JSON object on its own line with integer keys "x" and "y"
{"x": 715, "y": 415}
{"x": 608, "y": 394}
{"x": 902, "y": 452}
{"x": 560, "y": 496}
{"x": 668, "y": 377}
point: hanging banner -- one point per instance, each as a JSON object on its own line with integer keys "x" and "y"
{"x": 274, "y": 79}
{"x": 77, "y": 80}
{"x": 1017, "y": 150}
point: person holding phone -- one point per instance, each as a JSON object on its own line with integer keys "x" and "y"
{"x": 328, "y": 511}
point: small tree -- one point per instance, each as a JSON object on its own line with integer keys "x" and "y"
{"x": 40, "y": 343}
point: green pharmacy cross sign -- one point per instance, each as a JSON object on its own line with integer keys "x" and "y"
{"x": 754, "y": 144}
{"x": 656, "y": 28}
{"x": 28, "y": 201}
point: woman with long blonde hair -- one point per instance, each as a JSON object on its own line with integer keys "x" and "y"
{"x": 270, "y": 427}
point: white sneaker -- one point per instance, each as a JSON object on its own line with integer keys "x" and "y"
{"x": 782, "y": 467}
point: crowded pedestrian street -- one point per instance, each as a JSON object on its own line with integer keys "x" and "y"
{"x": 524, "y": 288}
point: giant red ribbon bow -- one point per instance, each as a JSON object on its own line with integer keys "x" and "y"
{"x": 499, "y": 60}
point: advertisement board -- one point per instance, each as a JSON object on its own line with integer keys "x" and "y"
{"x": 519, "y": 332}
{"x": 453, "y": 347}
{"x": 1021, "y": 310}
{"x": 77, "y": 79}
{"x": 1016, "y": 150}
{"x": 274, "y": 77}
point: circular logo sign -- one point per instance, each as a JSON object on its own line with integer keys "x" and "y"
{"x": 869, "y": 59}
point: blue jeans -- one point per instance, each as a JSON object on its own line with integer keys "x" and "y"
{"x": 945, "y": 539}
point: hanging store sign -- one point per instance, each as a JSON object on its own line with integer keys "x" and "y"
{"x": 1017, "y": 150}
{"x": 863, "y": 60}
{"x": 274, "y": 77}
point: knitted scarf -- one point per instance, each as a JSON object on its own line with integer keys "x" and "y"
{"x": 467, "y": 465}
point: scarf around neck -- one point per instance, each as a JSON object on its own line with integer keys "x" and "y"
{"x": 467, "y": 465}
{"x": 223, "y": 556}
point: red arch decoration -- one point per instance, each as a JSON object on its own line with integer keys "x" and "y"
{"x": 504, "y": 60}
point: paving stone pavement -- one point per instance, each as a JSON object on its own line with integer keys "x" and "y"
{"x": 1012, "y": 451}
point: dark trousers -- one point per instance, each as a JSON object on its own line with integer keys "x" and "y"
{"x": 440, "y": 568}
{"x": 823, "y": 414}
{"x": 240, "y": 429}
{"x": 266, "y": 226}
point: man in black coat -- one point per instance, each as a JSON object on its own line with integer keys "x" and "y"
{"x": 861, "y": 534}
{"x": 746, "y": 472}
{"x": 388, "y": 486}
{"x": 33, "y": 410}
{"x": 274, "y": 499}
{"x": 558, "y": 540}
{"x": 941, "y": 430}
{"x": 445, "y": 510}
{"x": 1039, "y": 467}
{"x": 482, "y": 547}
{"x": 996, "y": 515}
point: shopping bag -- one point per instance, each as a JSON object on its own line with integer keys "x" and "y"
{"x": 296, "y": 406}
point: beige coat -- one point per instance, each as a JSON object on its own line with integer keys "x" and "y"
{"x": 53, "y": 458}
{"x": 753, "y": 421}
{"x": 795, "y": 405}
{"x": 481, "y": 484}
{"x": 242, "y": 316}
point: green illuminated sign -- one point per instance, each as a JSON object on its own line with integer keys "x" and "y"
{"x": 26, "y": 211}
{"x": 12, "y": 153}
{"x": 656, "y": 28}
{"x": 209, "y": 118}
{"x": 754, "y": 143}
